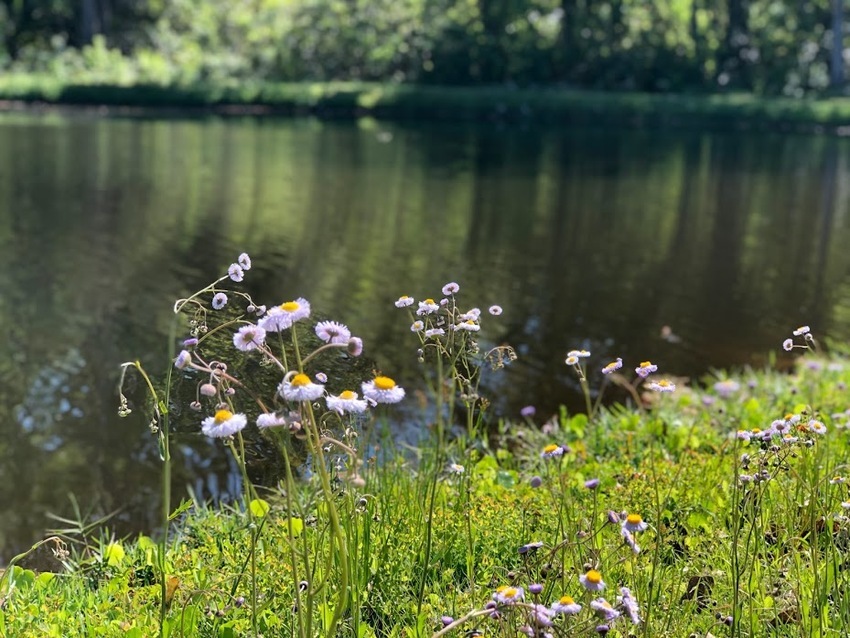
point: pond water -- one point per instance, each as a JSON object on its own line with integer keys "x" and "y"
{"x": 588, "y": 239}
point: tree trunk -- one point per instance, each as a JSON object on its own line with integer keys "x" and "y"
{"x": 88, "y": 15}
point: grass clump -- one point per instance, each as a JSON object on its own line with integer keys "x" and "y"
{"x": 718, "y": 509}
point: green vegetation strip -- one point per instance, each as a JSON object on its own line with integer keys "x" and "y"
{"x": 345, "y": 99}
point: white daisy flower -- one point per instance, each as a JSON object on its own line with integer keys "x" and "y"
{"x": 581, "y": 354}
{"x": 551, "y": 451}
{"x": 382, "y": 389}
{"x": 508, "y": 595}
{"x": 604, "y": 609}
{"x": 300, "y": 388}
{"x": 283, "y": 316}
{"x": 634, "y": 523}
{"x": 613, "y": 366}
{"x": 332, "y": 332}
{"x": 592, "y": 580}
{"x": 435, "y": 332}
{"x": 571, "y": 360}
{"x": 817, "y": 427}
{"x": 661, "y": 386}
{"x": 346, "y": 401}
{"x": 788, "y": 345}
{"x": 404, "y": 301}
{"x": 802, "y": 330}
{"x": 417, "y": 326}
{"x": 469, "y": 325}
{"x": 244, "y": 261}
{"x": 427, "y": 307}
{"x": 235, "y": 272}
{"x": 249, "y": 337}
{"x": 495, "y": 310}
{"x": 473, "y": 314}
{"x": 271, "y": 420}
{"x": 645, "y": 369}
{"x": 223, "y": 424}
{"x": 566, "y": 605}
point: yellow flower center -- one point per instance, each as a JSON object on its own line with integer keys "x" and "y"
{"x": 645, "y": 364}
{"x": 550, "y": 448}
{"x": 789, "y": 416}
{"x": 347, "y": 395}
{"x": 384, "y": 383}
{"x": 430, "y": 301}
{"x": 300, "y": 379}
{"x": 290, "y": 306}
{"x": 470, "y": 322}
{"x": 756, "y": 430}
{"x": 223, "y": 415}
{"x": 634, "y": 519}
{"x": 664, "y": 383}
{"x": 593, "y": 576}
{"x": 501, "y": 588}
{"x": 510, "y": 592}
{"x": 566, "y": 600}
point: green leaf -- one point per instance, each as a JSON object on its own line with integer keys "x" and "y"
{"x": 259, "y": 508}
{"x": 44, "y": 578}
{"x": 114, "y": 554}
{"x": 185, "y": 506}
{"x": 296, "y": 526}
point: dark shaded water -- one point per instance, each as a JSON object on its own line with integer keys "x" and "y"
{"x": 591, "y": 239}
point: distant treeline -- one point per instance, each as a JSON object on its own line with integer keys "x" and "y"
{"x": 766, "y": 46}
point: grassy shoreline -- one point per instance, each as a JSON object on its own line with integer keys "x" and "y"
{"x": 402, "y": 102}
{"x": 718, "y": 550}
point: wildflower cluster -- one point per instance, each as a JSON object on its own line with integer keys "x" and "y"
{"x": 804, "y": 333}
{"x": 449, "y": 333}
{"x": 774, "y": 444}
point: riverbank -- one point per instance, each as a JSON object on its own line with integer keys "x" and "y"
{"x": 712, "y": 506}
{"x": 406, "y": 102}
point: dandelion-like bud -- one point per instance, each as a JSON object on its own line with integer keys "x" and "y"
{"x": 536, "y": 481}
{"x": 209, "y": 390}
{"x": 183, "y": 360}
{"x": 355, "y": 346}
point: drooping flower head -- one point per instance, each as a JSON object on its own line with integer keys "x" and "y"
{"x": 469, "y": 325}
{"x": 450, "y": 288}
{"x": 355, "y": 346}
{"x": 300, "y": 388}
{"x": 434, "y": 332}
{"x": 271, "y": 420}
{"x": 332, "y": 332}
{"x": 346, "y": 402}
{"x": 183, "y": 360}
{"x": 404, "y": 301}
{"x": 244, "y": 260}
{"x": 788, "y": 345}
{"x": 235, "y": 272}
{"x": 382, "y": 389}
{"x": 495, "y": 310}
{"x": 223, "y": 424}
{"x": 219, "y": 301}
{"x": 802, "y": 330}
{"x": 249, "y": 337}
{"x": 604, "y": 609}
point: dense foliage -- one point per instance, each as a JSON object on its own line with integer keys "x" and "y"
{"x": 769, "y": 46}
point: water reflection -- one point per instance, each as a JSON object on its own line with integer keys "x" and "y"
{"x": 592, "y": 239}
